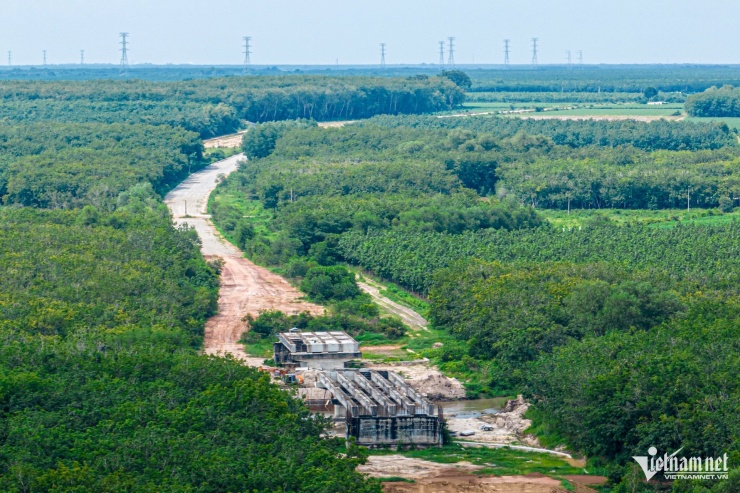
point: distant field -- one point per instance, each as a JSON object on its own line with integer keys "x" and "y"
{"x": 476, "y": 107}
{"x": 630, "y": 109}
{"x": 552, "y": 110}
{"x": 665, "y": 218}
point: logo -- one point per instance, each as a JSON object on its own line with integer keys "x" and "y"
{"x": 674, "y": 467}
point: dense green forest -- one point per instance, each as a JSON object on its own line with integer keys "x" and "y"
{"x": 551, "y": 164}
{"x": 623, "y": 336}
{"x": 221, "y": 105}
{"x": 653, "y": 136}
{"x": 716, "y": 102}
{"x": 56, "y": 165}
{"x": 600, "y": 79}
{"x": 702, "y": 255}
{"x": 102, "y": 308}
{"x": 443, "y": 207}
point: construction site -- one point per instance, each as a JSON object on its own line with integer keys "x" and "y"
{"x": 378, "y": 408}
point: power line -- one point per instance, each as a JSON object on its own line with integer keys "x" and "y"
{"x": 506, "y": 52}
{"x": 382, "y": 55}
{"x": 441, "y": 53}
{"x": 534, "y": 51}
{"x": 123, "y": 70}
{"x": 451, "y": 53}
{"x": 247, "y": 52}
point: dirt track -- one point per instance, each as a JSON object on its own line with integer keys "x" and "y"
{"x": 245, "y": 287}
{"x": 409, "y": 316}
{"x": 432, "y": 477}
{"x": 233, "y": 140}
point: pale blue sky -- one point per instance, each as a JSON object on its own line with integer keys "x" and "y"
{"x": 321, "y": 31}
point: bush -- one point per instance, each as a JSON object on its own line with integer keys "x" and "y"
{"x": 330, "y": 283}
{"x": 726, "y": 204}
{"x": 392, "y": 327}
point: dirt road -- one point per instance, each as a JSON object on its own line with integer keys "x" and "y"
{"x": 233, "y": 140}
{"x": 432, "y": 477}
{"x": 409, "y": 316}
{"x": 245, "y": 287}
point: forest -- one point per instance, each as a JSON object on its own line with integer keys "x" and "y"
{"x": 716, "y": 102}
{"x": 61, "y": 166}
{"x": 102, "y": 307}
{"x": 623, "y": 335}
{"x": 454, "y": 211}
{"x": 217, "y": 106}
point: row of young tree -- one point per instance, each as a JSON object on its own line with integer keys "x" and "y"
{"x": 703, "y": 255}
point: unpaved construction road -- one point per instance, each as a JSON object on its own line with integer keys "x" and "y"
{"x": 409, "y": 316}
{"x": 245, "y": 287}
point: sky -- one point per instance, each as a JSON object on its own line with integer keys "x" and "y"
{"x": 311, "y": 32}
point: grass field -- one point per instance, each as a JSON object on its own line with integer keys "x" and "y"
{"x": 664, "y": 218}
{"x": 572, "y": 109}
{"x": 626, "y": 109}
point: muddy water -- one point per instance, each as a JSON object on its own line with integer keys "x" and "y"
{"x": 473, "y": 408}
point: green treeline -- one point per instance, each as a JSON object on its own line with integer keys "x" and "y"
{"x": 56, "y": 165}
{"x": 717, "y": 102}
{"x": 605, "y": 79}
{"x": 560, "y": 165}
{"x": 652, "y": 136}
{"x": 219, "y": 106}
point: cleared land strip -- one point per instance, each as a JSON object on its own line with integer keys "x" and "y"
{"x": 409, "y": 316}
{"x": 245, "y": 287}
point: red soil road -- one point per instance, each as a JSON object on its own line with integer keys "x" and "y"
{"x": 245, "y": 287}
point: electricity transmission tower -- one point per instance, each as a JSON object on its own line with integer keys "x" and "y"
{"x": 10, "y": 58}
{"x": 569, "y": 58}
{"x": 82, "y": 57}
{"x": 580, "y": 58}
{"x": 534, "y": 51}
{"x": 441, "y": 53}
{"x": 44, "y": 58}
{"x": 506, "y": 52}
{"x": 247, "y": 52}
{"x": 123, "y": 70}
{"x": 382, "y": 55}
{"x": 451, "y": 53}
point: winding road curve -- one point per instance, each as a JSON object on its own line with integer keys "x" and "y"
{"x": 245, "y": 287}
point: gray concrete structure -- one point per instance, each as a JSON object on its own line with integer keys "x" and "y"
{"x": 380, "y": 409}
{"x": 315, "y": 350}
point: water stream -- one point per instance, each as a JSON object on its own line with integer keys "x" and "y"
{"x": 473, "y": 408}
